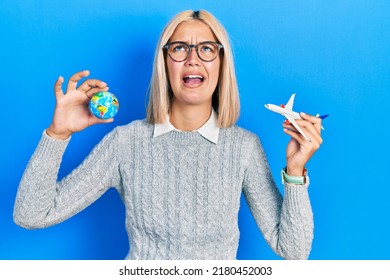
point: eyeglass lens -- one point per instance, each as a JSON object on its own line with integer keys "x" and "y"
{"x": 206, "y": 51}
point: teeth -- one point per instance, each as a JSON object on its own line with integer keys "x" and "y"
{"x": 194, "y": 77}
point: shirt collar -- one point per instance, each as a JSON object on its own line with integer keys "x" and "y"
{"x": 210, "y": 130}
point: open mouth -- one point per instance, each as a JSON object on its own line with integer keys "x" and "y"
{"x": 193, "y": 79}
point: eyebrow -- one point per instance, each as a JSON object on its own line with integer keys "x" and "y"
{"x": 188, "y": 43}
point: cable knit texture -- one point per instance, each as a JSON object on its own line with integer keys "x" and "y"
{"x": 181, "y": 192}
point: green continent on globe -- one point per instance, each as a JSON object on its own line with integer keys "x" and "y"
{"x": 104, "y": 105}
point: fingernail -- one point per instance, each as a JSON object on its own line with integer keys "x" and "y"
{"x": 303, "y": 114}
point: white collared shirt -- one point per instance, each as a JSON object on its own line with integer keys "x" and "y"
{"x": 210, "y": 130}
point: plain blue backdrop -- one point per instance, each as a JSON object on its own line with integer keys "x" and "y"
{"x": 334, "y": 54}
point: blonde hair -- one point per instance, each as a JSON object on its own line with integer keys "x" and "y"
{"x": 225, "y": 98}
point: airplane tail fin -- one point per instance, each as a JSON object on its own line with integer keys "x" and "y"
{"x": 322, "y": 117}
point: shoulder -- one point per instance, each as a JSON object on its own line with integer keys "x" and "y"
{"x": 137, "y": 126}
{"x": 237, "y": 133}
{"x": 134, "y": 129}
{"x": 246, "y": 141}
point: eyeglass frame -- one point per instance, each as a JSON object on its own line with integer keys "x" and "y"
{"x": 190, "y": 47}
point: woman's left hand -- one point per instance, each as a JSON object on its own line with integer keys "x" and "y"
{"x": 299, "y": 149}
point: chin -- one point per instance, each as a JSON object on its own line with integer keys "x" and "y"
{"x": 193, "y": 100}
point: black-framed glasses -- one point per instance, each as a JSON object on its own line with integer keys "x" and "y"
{"x": 206, "y": 51}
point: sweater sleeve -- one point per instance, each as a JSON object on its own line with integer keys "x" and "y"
{"x": 286, "y": 223}
{"x": 42, "y": 201}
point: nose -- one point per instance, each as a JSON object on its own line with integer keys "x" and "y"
{"x": 192, "y": 58}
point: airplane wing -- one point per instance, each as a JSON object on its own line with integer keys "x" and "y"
{"x": 290, "y": 102}
{"x": 294, "y": 123}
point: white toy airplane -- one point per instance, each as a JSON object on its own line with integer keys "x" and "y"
{"x": 290, "y": 115}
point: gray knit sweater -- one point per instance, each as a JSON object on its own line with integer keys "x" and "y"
{"x": 181, "y": 192}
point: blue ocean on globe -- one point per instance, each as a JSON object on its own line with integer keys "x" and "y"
{"x": 104, "y": 105}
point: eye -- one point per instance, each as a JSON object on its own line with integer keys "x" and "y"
{"x": 207, "y": 47}
{"x": 178, "y": 47}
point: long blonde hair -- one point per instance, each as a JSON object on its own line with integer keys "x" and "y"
{"x": 225, "y": 98}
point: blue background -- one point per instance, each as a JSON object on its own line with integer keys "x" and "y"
{"x": 334, "y": 54}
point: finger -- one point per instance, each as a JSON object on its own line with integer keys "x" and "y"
{"x": 314, "y": 120}
{"x": 92, "y": 83}
{"x": 308, "y": 147}
{"x": 296, "y": 135}
{"x": 310, "y": 130}
{"x": 93, "y": 91}
{"x": 58, "y": 87}
{"x": 72, "y": 84}
{"x": 289, "y": 127}
{"x": 315, "y": 138}
{"x": 303, "y": 128}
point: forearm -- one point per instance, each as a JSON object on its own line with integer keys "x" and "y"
{"x": 295, "y": 234}
{"x": 38, "y": 184}
{"x": 286, "y": 222}
{"x": 42, "y": 201}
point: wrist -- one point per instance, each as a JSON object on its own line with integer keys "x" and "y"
{"x": 294, "y": 179}
{"x": 58, "y": 136}
{"x": 295, "y": 171}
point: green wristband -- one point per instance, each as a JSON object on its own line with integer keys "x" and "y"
{"x": 299, "y": 180}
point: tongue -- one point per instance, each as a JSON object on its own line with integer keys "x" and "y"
{"x": 192, "y": 80}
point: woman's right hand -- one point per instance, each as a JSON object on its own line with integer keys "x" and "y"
{"x": 71, "y": 112}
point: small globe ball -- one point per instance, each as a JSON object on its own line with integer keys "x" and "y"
{"x": 104, "y": 105}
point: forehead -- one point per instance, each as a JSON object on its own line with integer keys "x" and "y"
{"x": 193, "y": 31}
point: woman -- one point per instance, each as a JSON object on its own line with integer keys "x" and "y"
{"x": 181, "y": 171}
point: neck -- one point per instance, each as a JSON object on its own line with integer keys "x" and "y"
{"x": 189, "y": 118}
